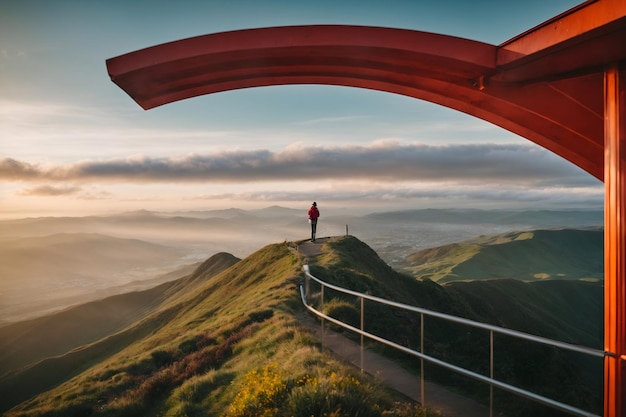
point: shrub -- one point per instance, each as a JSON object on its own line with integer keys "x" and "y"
{"x": 188, "y": 346}
{"x": 197, "y": 388}
{"x": 260, "y": 316}
{"x": 262, "y": 394}
{"x": 334, "y": 395}
{"x": 270, "y": 392}
{"x": 343, "y": 311}
{"x": 161, "y": 358}
{"x": 267, "y": 392}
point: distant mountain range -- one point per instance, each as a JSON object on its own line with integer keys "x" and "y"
{"x": 52, "y": 262}
{"x": 189, "y": 343}
{"x": 527, "y": 218}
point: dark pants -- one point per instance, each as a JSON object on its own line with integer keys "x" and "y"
{"x": 313, "y": 229}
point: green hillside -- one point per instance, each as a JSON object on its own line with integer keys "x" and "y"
{"x": 21, "y": 343}
{"x": 570, "y": 311}
{"x": 531, "y": 255}
{"x": 227, "y": 341}
{"x": 231, "y": 345}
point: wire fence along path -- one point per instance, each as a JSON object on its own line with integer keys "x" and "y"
{"x": 488, "y": 379}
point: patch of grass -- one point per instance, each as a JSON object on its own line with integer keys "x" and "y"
{"x": 344, "y": 311}
{"x": 439, "y": 263}
{"x": 271, "y": 391}
{"x": 332, "y": 394}
{"x": 193, "y": 397}
{"x": 557, "y": 254}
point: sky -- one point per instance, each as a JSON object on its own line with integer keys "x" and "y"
{"x": 72, "y": 143}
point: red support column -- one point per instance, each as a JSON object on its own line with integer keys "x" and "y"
{"x": 614, "y": 243}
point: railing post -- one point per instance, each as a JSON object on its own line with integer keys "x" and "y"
{"x": 362, "y": 328}
{"x": 422, "y": 379}
{"x": 491, "y": 372}
{"x": 307, "y": 286}
{"x": 322, "y": 309}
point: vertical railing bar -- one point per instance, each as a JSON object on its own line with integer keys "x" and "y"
{"x": 491, "y": 372}
{"x": 422, "y": 378}
{"x": 362, "y": 329}
{"x": 307, "y": 286}
{"x": 322, "y": 309}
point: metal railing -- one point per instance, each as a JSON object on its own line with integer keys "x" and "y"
{"x": 304, "y": 291}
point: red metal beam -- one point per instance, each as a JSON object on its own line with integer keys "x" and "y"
{"x": 272, "y": 56}
{"x": 454, "y": 72}
{"x": 582, "y": 40}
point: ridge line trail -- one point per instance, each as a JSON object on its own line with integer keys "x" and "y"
{"x": 390, "y": 373}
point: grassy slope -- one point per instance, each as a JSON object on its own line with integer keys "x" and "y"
{"x": 191, "y": 355}
{"x": 564, "y": 310}
{"x": 218, "y": 306}
{"x": 21, "y": 343}
{"x": 541, "y": 254}
{"x": 570, "y": 311}
{"x": 39, "y": 353}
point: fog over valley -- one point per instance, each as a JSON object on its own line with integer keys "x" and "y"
{"x": 49, "y": 263}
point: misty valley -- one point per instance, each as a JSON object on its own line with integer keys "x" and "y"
{"x": 50, "y": 263}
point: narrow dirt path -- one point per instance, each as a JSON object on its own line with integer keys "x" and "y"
{"x": 393, "y": 375}
{"x": 311, "y": 250}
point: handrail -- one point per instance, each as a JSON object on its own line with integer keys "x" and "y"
{"x": 509, "y": 332}
{"x": 489, "y": 380}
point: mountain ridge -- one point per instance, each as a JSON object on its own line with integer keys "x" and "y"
{"x": 533, "y": 217}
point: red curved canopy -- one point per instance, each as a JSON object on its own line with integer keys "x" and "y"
{"x": 551, "y": 95}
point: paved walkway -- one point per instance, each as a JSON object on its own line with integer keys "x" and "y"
{"x": 395, "y": 376}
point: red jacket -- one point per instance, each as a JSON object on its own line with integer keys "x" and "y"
{"x": 314, "y": 213}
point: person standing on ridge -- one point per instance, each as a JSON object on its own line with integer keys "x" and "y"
{"x": 314, "y": 214}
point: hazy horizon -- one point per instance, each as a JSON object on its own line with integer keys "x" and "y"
{"x": 50, "y": 262}
{"x": 333, "y": 209}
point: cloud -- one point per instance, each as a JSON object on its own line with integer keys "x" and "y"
{"x": 50, "y": 191}
{"x": 13, "y": 170}
{"x": 379, "y": 161}
{"x": 429, "y": 195}
{"x": 458, "y": 192}
{"x": 22, "y": 113}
